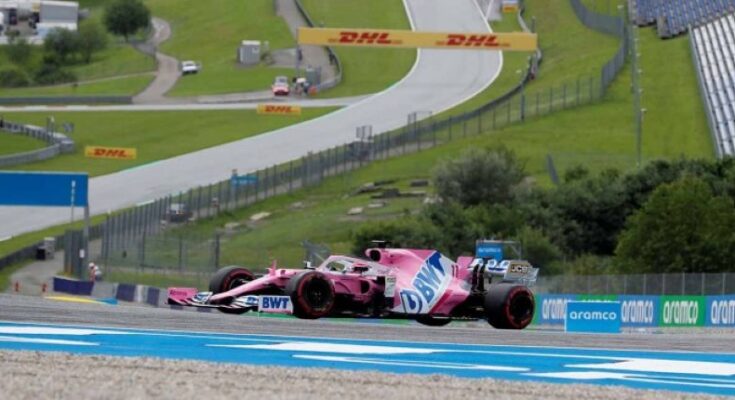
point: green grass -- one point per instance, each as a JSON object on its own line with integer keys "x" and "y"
{"x": 210, "y": 32}
{"x": 122, "y": 86}
{"x": 598, "y": 136}
{"x": 157, "y": 134}
{"x": 119, "y": 59}
{"x": 12, "y": 143}
{"x": 6, "y": 273}
{"x": 365, "y": 70}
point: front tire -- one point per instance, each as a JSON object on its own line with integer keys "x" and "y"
{"x": 509, "y": 306}
{"x": 312, "y": 295}
{"x": 227, "y": 279}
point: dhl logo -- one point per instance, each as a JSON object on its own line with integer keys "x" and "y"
{"x": 365, "y": 37}
{"x": 516, "y": 41}
{"x": 118, "y": 153}
{"x": 278, "y": 109}
{"x": 459, "y": 40}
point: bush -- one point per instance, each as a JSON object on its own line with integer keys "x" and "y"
{"x": 11, "y": 77}
{"x": 51, "y": 74}
{"x": 479, "y": 176}
{"x": 19, "y": 51}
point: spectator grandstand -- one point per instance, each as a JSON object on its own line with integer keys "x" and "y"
{"x": 674, "y": 17}
{"x": 714, "y": 55}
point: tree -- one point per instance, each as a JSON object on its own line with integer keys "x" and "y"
{"x": 683, "y": 227}
{"x": 92, "y": 38}
{"x": 479, "y": 176}
{"x": 19, "y": 51}
{"x": 125, "y": 17}
{"x": 61, "y": 42}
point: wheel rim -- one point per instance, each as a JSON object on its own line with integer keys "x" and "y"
{"x": 318, "y": 294}
{"x": 521, "y": 307}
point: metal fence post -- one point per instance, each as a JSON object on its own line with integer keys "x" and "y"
{"x": 290, "y": 176}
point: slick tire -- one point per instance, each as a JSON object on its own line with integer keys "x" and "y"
{"x": 509, "y": 306}
{"x": 312, "y": 295}
{"x": 227, "y": 279}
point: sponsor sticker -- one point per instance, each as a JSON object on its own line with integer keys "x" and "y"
{"x": 115, "y": 153}
{"x": 275, "y": 304}
{"x": 390, "y": 286}
{"x": 278, "y": 109}
{"x": 592, "y": 317}
{"x": 427, "y": 286}
{"x": 515, "y": 41}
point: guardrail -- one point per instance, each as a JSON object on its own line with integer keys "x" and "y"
{"x": 333, "y": 58}
{"x": 59, "y": 143}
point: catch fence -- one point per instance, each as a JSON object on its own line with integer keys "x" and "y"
{"x": 704, "y": 284}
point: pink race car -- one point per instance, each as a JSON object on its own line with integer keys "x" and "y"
{"x": 401, "y": 283}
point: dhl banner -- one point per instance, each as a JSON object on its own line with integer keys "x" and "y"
{"x": 515, "y": 41}
{"x": 117, "y": 153}
{"x": 278, "y": 109}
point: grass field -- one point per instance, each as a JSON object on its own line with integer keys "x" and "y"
{"x": 122, "y": 86}
{"x": 11, "y": 143}
{"x": 210, "y": 32}
{"x": 598, "y": 136}
{"x": 157, "y": 134}
{"x": 365, "y": 70}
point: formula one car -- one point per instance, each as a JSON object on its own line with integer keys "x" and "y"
{"x": 392, "y": 283}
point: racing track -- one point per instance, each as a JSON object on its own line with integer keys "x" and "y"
{"x": 439, "y": 80}
{"x": 703, "y": 363}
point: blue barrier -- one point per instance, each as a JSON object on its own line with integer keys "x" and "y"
{"x": 551, "y": 308}
{"x": 639, "y": 311}
{"x": 592, "y": 317}
{"x": 720, "y": 311}
{"x": 126, "y": 292}
{"x": 152, "y": 295}
{"x": 70, "y": 286}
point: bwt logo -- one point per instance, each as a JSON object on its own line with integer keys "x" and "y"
{"x": 430, "y": 277}
{"x": 594, "y": 315}
{"x": 275, "y": 302}
{"x": 411, "y": 301}
{"x": 375, "y": 37}
{"x": 722, "y": 312}
{"x": 681, "y": 312}
{"x": 459, "y": 40}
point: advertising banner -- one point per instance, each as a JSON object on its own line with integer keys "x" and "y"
{"x": 682, "y": 311}
{"x": 114, "y": 153}
{"x": 514, "y": 41}
{"x": 720, "y": 311}
{"x": 552, "y": 308}
{"x": 639, "y": 311}
{"x": 592, "y": 317}
{"x": 43, "y": 189}
{"x": 278, "y": 109}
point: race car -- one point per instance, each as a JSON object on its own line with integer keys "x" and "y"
{"x": 280, "y": 86}
{"x": 391, "y": 283}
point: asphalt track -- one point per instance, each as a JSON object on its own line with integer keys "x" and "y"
{"x": 685, "y": 361}
{"x": 439, "y": 80}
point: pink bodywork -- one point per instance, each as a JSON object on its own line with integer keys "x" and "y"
{"x": 425, "y": 281}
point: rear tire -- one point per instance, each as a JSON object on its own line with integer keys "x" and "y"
{"x": 312, "y": 295}
{"x": 509, "y": 306}
{"x": 227, "y": 279}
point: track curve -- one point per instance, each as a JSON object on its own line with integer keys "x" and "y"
{"x": 439, "y": 80}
